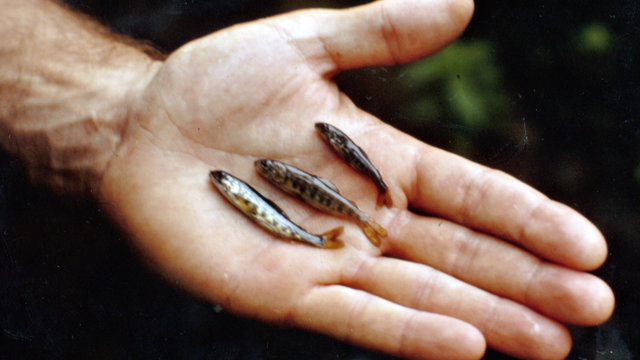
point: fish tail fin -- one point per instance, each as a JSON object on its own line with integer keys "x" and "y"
{"x": 332, "y": 234}
{"x": 384, "y": 199}
{"x": 373, "y": 231}
{"x": 330, "y": 238}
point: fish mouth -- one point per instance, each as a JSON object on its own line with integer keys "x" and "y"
{"x": 261, "y": 164}
{"x": 322, "y": 126}
{"x": 266, "y": 166}
{"x": 217, "y": 176}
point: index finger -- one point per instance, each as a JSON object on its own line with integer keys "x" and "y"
{"x": 497, "y": 203}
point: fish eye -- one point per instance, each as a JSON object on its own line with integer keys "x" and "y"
{"x": 217, "y": 176}
{"x": 262, "y": 166}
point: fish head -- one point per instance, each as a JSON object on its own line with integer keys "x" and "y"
{"x": 322, "y": 127}
{"x": 273, "y": 170}
{"x": 325, "y": 130}
{"x": 332, "y": 135}
{"x": 228, "y": 184}
{"x": 220, "y": 178}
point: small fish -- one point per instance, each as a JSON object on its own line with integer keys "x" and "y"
{"x": 319, "y": 193}
{"x": 356, "y": 157}
{"x": 266, "y": 213}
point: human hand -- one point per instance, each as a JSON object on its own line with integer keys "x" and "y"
{"x": 438, "y": 286}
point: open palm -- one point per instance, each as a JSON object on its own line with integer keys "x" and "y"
{"x": 437, "y": 287}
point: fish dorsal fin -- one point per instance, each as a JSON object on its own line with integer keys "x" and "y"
{"x": 278, "y": 208}
{"x": 274, "y": 205}
{"x": 329, "y": 184}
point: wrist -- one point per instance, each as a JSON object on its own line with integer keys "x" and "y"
{"x": 65, "y": 88}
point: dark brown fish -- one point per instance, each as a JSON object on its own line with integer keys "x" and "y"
{"x": 319, "y": 193}
{"x": 356, "y": 157}
{"x": 266, "y": 213}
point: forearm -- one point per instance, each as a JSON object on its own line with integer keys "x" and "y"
{"x": 64, "y": 86}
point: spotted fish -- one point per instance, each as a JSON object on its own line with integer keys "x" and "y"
{"x": 319, "y": 193}
{"x": 265, "y": 213}
{"x": 356, "y": 157}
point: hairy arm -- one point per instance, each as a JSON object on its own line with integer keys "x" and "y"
{"x": 64, "y": 81}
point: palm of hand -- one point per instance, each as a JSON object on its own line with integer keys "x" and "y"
{"x": 233, "y": 128}
{"x": 254, "y": 92}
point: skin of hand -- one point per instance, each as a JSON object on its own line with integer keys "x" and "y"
{"x": 496, "y": 263}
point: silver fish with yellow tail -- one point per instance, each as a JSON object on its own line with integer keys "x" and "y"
{"x": 356, "y": 157}
{"x": 266, "y": 213}
{"x": 319, "y": 193}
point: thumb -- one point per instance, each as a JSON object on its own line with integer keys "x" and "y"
{"x": 384, "y": 32}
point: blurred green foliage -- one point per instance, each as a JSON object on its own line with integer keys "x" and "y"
{"x": 594, "y": 38}
{"x": 463, "y": 81}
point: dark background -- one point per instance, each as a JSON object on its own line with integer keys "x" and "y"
{"x": 547, "y": 91}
